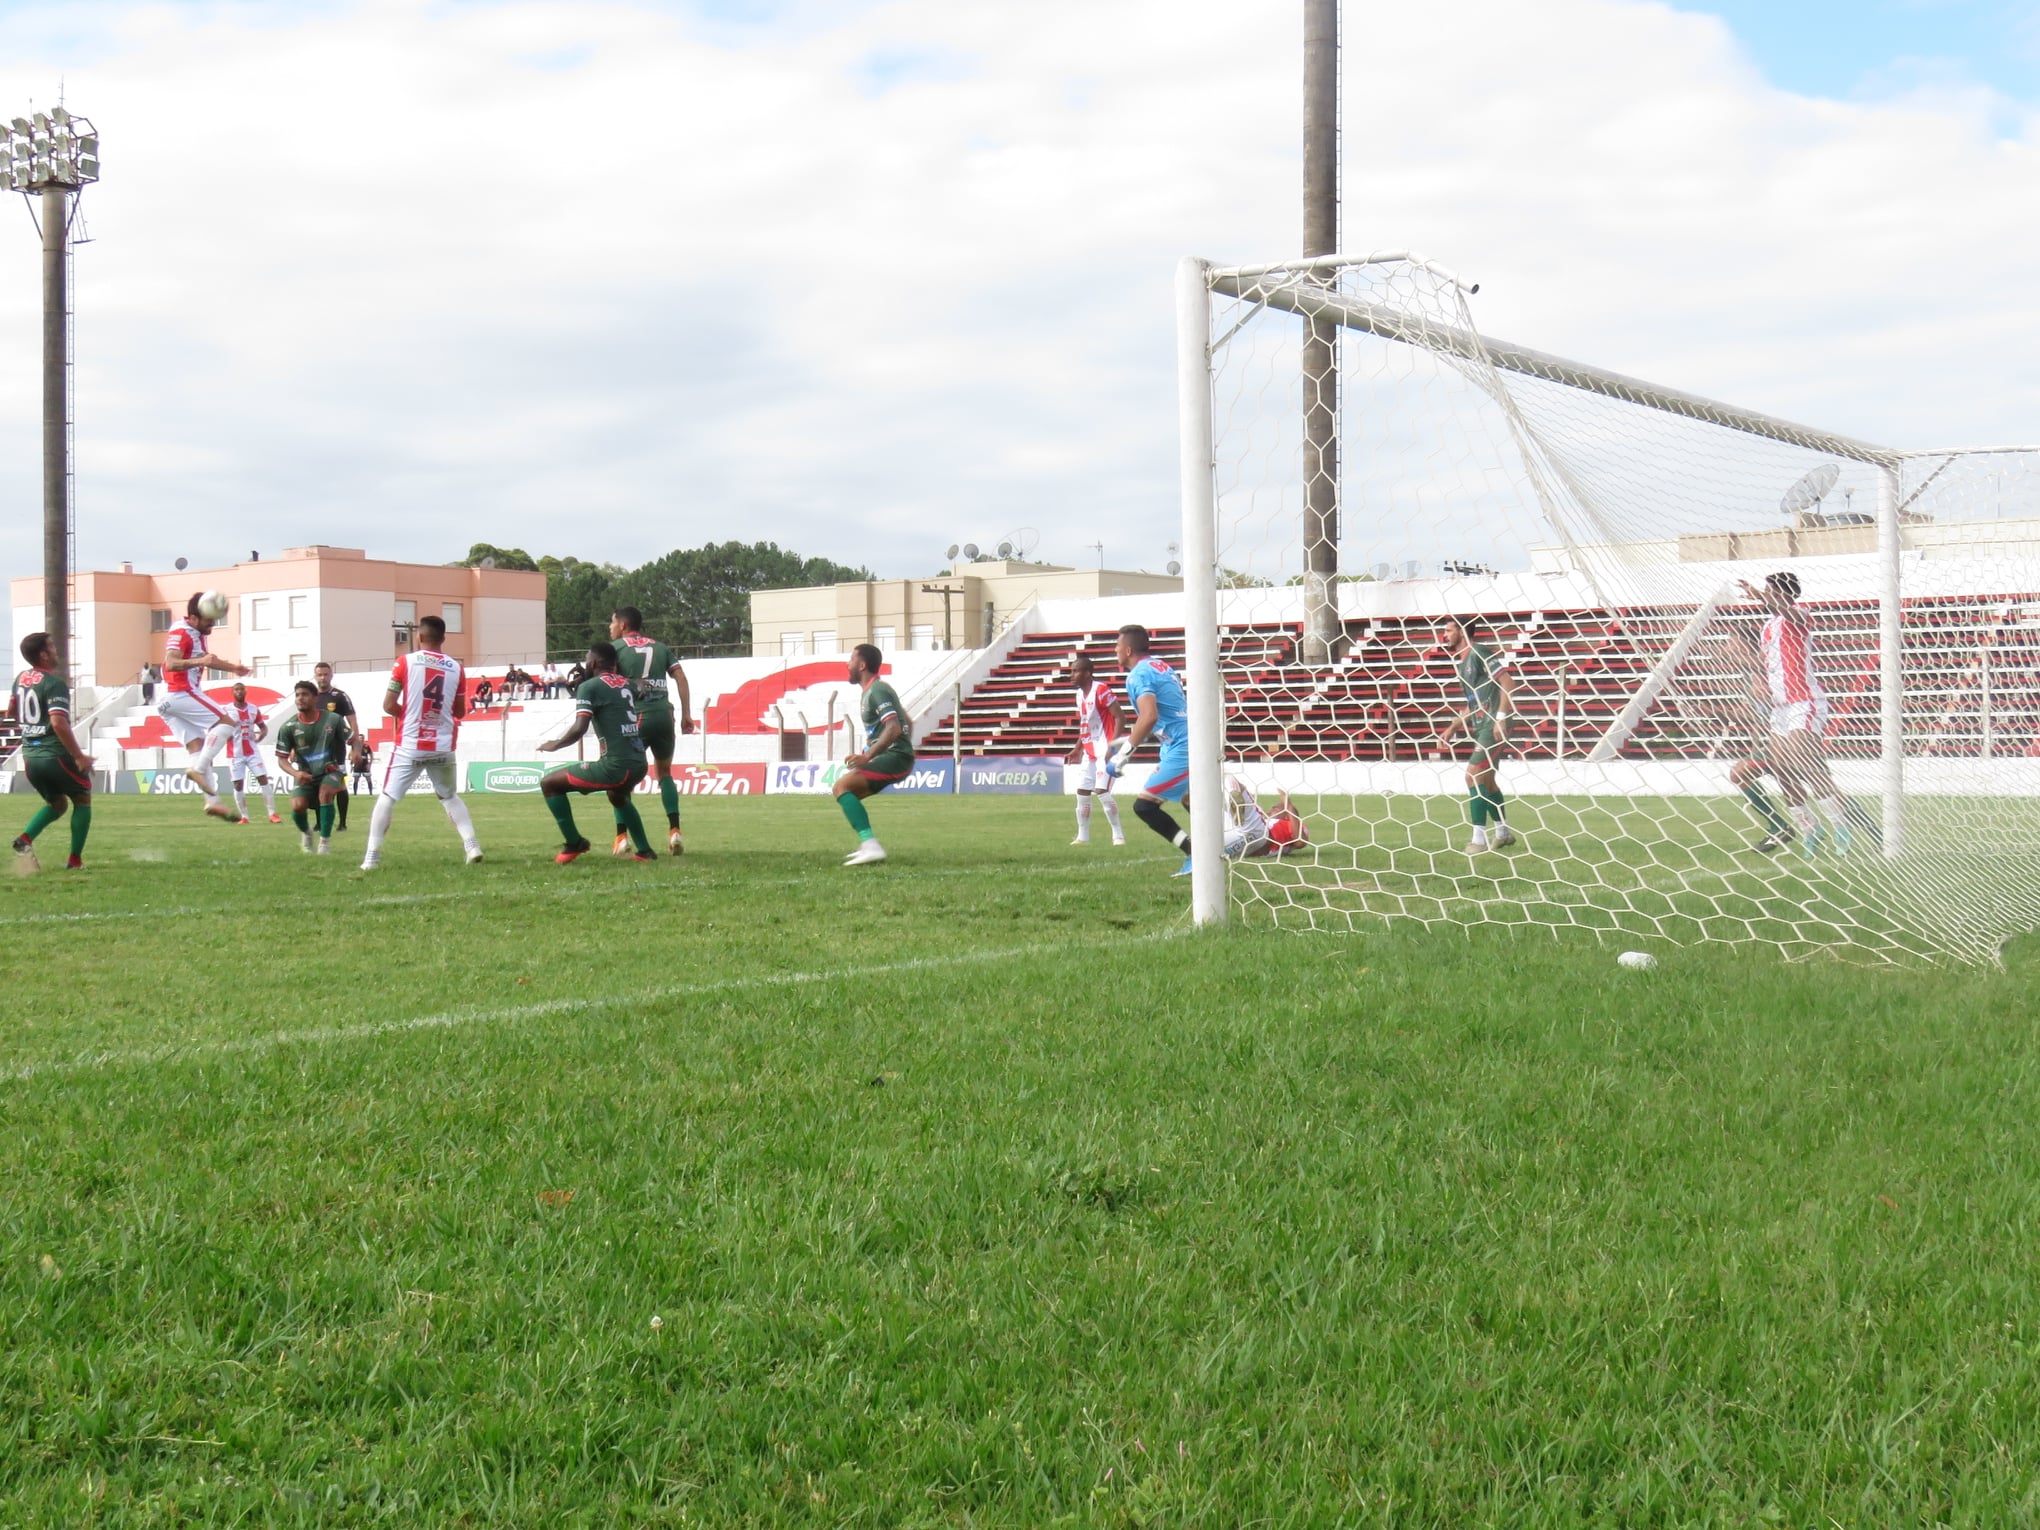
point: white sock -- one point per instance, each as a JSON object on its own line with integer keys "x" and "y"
{"x": 1803, "y": 816}
{"x": 269, "y": 795}
{"x": 1479, "y": 840}
{"x": 1083, "y": 815}
{"x": 1112, "y": 814}
{"x": 462, "y": 823}
{"x": 1837, "y": 809}
{"x": 378, "y": 826}
{"x": 240, "y": 801}
{"x": 215, "y": 741}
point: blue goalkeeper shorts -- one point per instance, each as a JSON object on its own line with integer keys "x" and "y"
{"x": 1171, "y": 780}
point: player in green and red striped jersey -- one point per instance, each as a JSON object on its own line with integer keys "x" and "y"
{"x": 56, "y": 766}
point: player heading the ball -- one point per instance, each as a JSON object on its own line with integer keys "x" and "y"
{"x": 606, "y": 702}
{"x": 887, "y": 756}
{"x": 196, "y": 721}
{"x": 56, "y": 765}
{"x": 424, "y": 696}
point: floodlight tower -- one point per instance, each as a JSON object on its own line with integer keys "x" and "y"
{"x": 52, "y": 157}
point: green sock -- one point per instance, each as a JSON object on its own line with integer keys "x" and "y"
{"x": 302, "y": 818}
{"x": 1491, "y": 799}
{"x": 81, "y": 825}
{"x": 563, "y": 815}
{"x": 1476, "y": 807}
{"x": 853, "y": 809}
{"x": 326, "y": 820}
{"x": 44, "y": 816}
{"x": 634, "y": 823}
{"x": 669, "y": 799}
{"x": 1761, "y": 804}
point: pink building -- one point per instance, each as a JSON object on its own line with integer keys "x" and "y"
{"x": 287, "y": 613}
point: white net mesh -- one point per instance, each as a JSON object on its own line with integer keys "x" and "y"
{"x": 1599, "y": 540}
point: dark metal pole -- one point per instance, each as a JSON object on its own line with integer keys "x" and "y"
{"x": 1323, "y": 636}
{"x": 56, "y": 435}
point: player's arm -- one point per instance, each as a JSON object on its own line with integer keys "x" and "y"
{"x": 582, "y": 717}
{"x": 1145, "y": 715}
{"x": 1460, "y": 720}
{"x": 213, "y": 661}
{"x": 888, "y": 734}
{"x": 393, "y": 701}
{"x": 686, "y": 698}
{"x": 1506, "y": 712}
{"x": 287, "y": 764}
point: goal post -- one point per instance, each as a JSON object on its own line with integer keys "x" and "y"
{"x": 1589, "y": 534}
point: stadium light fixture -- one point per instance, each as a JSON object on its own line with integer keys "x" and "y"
{"x": 51, "y": 157}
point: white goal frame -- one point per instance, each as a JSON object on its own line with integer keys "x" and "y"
{"x": 1198, "y": 281}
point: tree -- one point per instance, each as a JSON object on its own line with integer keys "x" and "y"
{"x": 504, "y": 557}
{"x": 577, "y": 604}
{"x": 1236, "y": 579}
{"x": 699, "y": 597}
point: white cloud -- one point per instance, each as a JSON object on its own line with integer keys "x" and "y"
{"x": 595, "y": 278}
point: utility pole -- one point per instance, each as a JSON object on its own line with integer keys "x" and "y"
{"x": 1323, "y": 634}
{"x": 948, "y": 592}
{"x": 50, "y": 157}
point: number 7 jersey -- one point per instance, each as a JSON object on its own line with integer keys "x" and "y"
{"x": 427, "y": 682}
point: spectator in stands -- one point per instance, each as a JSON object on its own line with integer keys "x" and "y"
{"x": 483, "y": 692}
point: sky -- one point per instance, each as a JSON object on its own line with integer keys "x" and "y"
{"x": 870, "y": 277}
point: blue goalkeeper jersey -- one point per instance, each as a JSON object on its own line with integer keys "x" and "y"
{"x": 1151, "y": 677}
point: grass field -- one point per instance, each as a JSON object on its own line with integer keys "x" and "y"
{"x": 973, "y": 1190}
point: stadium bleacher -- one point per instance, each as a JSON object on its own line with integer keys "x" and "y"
{"x": 1576, "y": 669}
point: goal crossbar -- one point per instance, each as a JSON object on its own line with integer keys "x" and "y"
{"x": 1311, "y": 301}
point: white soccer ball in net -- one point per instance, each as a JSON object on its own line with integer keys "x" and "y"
{"x": 212, "y": 605}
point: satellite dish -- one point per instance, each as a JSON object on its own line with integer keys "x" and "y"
{"x": 1383, "y": 571}
{"x": 1005, "y": 549}
{"x": 183, "y": 564}
{"x": 953, "y": 551}
{"x": 970, "y": 550}
{"x": 1412, "y": 569}
{"x": 1025, "y": 540}
{"x": 488, "y": 562}
{"x": 1812, "y": 489}
{"x": 1175, "y": 567}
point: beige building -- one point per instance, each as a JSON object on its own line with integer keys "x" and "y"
{"x": 287, "y": 613}
{"x": 916, "y": 614}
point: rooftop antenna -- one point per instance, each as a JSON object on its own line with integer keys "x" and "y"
{"x": 1805, "y": 496}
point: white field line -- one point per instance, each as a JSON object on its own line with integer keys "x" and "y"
{"x": 604, "y": 889}
{"x": 451, "y": 1019}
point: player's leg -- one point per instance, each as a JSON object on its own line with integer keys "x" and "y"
{"x": 1103, "y": 798}
{"x": 1170, "y": 782}
{"x": 627, "y": 814}
{"x": 329, "y": 789}
{"x": 555, "y": 786}
{"x": 55, "y": 802}
{"x": 850, "y": 790}
{"x": 1086, "y": 775}
{"x": 340, "y": 796}
{"x": 268, "y": 792}
{"x": 203, "y": 730}
{"x": 399, "y": 771}
{"x": 443, "y": 772}
{"x": 237, "y": 773}
{"x": 81, "y": 819}
{"x": 1488, "y": 783}
{"x": 1747, "y": 777}
{"x": 304, "y": 807}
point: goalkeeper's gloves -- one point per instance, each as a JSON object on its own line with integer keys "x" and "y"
{"x": 1115, "y": 762}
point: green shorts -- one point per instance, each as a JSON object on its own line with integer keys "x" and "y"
{"x": 893, "y": 765}
{"x": 56, "y": 776}
{"x": 1487, "y": 748}
{"x": 599, "y": 775}
{"x": 655, "y": 732}
{"x": 307, "y": 792}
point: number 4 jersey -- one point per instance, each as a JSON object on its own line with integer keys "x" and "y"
{"x": 426, "y": 683}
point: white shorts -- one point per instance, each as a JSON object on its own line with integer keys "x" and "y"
{"x": 245, "y": 765}
{"x": 403, "y": 768}
{"x": 190, "y": 716}
{"x": 1090, "y": 776}
{"x": 1800, "y": 717}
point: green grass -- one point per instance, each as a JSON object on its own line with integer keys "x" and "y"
{"x": 973, "y": 1190}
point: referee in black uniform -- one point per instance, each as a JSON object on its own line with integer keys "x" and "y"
{"x": 331, "y": 700}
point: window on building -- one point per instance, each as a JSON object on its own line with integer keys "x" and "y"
{"x": 454, "y": 614}
{"x": 886, "y": 639}
{"x": 407, "y": 612}
{"x": 300, "y": 668}
{"x": 258, "y": 614}
{"x": 792, "y": 644}
{"x": 300, "y": 611}
{"x": 261, "y": 664}
{"x": 923, "y": 638}
{"x": 159, "y": 621}
{"x": 825, "y": 641}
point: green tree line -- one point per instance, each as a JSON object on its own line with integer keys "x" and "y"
{"x": 695, "y": 599}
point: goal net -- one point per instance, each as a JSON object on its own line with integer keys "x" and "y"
{"x": 1517, "y": 640}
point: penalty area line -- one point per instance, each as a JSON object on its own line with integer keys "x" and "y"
{"x": 453, "y": 1019}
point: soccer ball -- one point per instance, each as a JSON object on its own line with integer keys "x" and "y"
{"x": 212, "y": 605}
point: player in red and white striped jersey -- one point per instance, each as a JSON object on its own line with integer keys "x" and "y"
{"x": 244, "y": 754}
{"x": 196, "y": 721}
{"x": 1799, "y": 711}
{"x": 424, "y": 696}
{"x": 1097, "y": 722}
